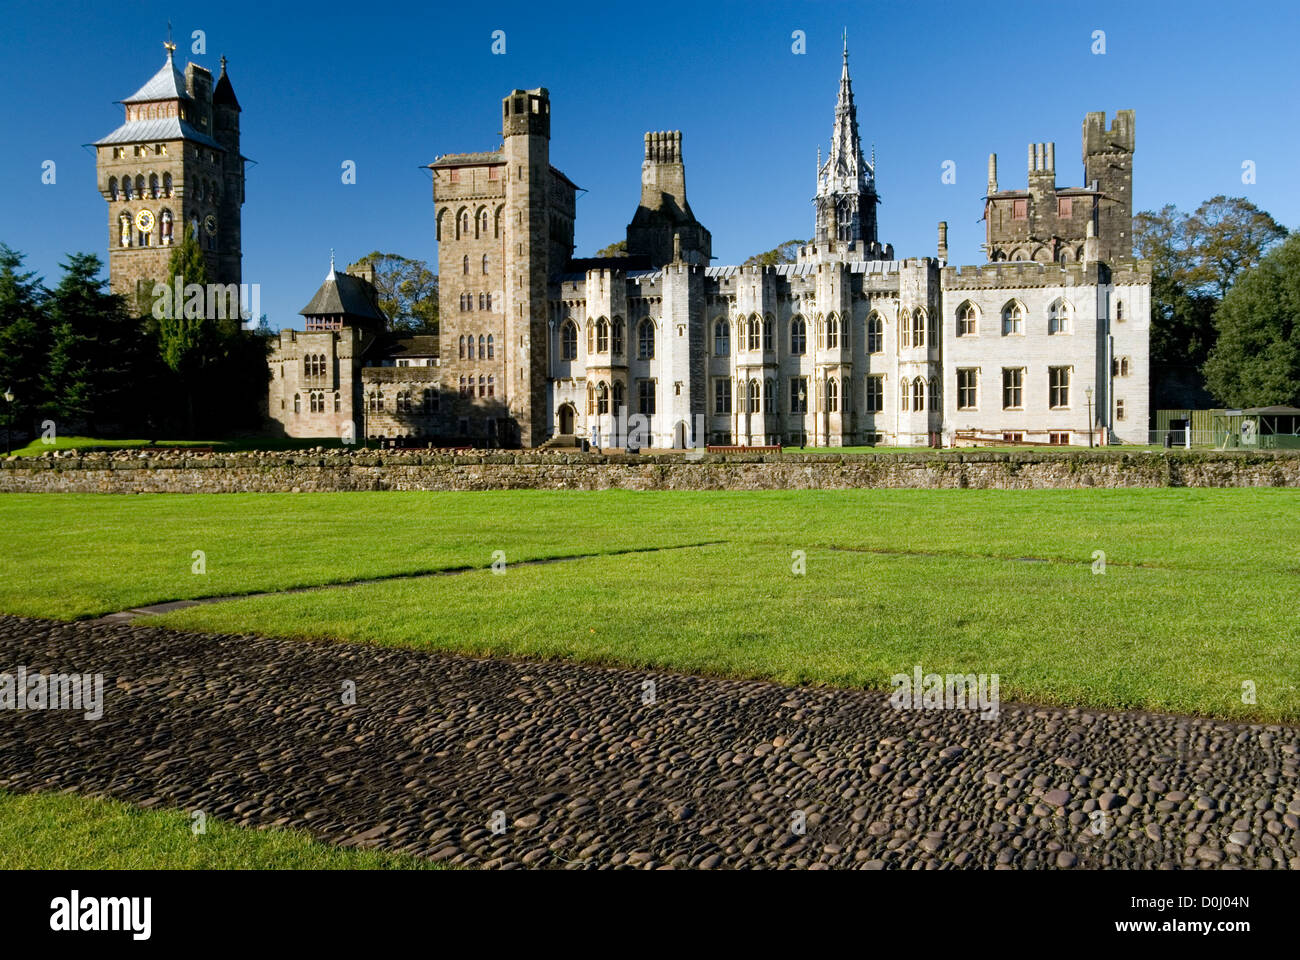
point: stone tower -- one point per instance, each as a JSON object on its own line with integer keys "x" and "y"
{"x": 846, "y": 183}
{"x": 663, "y": 227}
{"x": 526, "y": 126}
{"x": 174, "y": 165}
{"x": 1108, "y": 169}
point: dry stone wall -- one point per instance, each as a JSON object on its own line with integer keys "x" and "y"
{"x": 161, "y": 471}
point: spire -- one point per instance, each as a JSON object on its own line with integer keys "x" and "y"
{"x": 846, "y": 192}
{"x": 845, "y": 167}
{"x": 330, "y": 275}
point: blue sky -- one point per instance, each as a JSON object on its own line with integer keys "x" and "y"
{"x": 390, "y": 86}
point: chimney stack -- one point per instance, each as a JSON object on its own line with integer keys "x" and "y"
{"x": 943, "y": 241}
{"x": 993, "y": 173}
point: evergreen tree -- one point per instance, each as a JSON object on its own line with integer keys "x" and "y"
{"x": 187, "y": 339}
{"x": 23, "y": 342}
{"x": 1256, "y": 360}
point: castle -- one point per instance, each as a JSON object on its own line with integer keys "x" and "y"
{"x": 848, "y": 345}
{"x": 173, "y": 166}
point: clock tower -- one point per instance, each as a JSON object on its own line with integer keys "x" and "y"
{"x": 173, "y": 167}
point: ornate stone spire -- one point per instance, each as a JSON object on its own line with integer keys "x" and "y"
{"x": 846, "y": 193}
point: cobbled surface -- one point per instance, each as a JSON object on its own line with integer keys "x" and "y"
{"x": 713, "y": 773}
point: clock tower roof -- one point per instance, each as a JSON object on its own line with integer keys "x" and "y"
{"x": 167, "y": 84}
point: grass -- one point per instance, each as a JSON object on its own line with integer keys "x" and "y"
{"x": 44, "y": 831}
{"x": 1198, "y": 593}
{"x": 39, "y": 446}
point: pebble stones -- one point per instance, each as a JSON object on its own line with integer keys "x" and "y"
{"x": 558, "y": 766}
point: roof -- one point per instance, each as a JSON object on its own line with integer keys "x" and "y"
{"x": 467, "y": 159}
{"x": 421, "y": 345}
{"x": 159, "y": 128}
{"x": 782, "y": 270}
{"x": 223, "y": 94}
{"x": 1274, "y": 411}
{"x": 344, "y": 295}
{"x": 167, "y": 84}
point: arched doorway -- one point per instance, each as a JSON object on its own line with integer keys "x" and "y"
{"x": 679, "y": 435}
{"x": 567, "y": 417}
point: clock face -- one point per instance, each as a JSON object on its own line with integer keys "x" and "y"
{"x": 210, "y": 225}
{"x": 144, "y": 221}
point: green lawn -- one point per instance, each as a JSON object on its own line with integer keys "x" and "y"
{"x": 39, "y": 446}
{"x": 1198, "y": 594}
{"x": 64, "y": 832}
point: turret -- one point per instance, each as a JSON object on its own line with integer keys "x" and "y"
{"x": 664, "y": 212}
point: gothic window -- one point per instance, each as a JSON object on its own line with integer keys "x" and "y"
{"x": 934, "y": 394}
{"x": 485, "y": 262}
{"x": 153, "y": 185}
{"x": 875, "y": 393}
{"x": 932, "y": 329}
{"x": 112, "y": 188}
{"x": 602, "y": 335}
{"x": 721, "y": 338}
{"x": 752, "y": 334}
{"x": 918, "y": 327}
{"x": 1058, "y": 317}
{"x": 767, "y": 333}
{"x": 442, "y": 220}
{"x": 167, "y": 184}
{"x": 620, "y": 401}
{"x": 798, "y": 338}
{"x": 832, "y": 395}
{"x": 569, "y": 340}
{"x": 591, "y": 337}
{"x": 832, "y": 332}
{"x": 462, "y": 225}
{"x": 464, "y": 264}
{"x": 618, "y": 336}
{"x": 591, "y": 398}
{"x": 126, "y": 188}
{"x": 646, "y": 340}
{"x": 482, "y": 347}
{"x": 297, "y": 403}
{"x": 602, "y": 398}
{"x": 966, "y": 319}
{"x": 139, "y": 185}
{"x": 491, "y": 347}
{"x": 1013, "y": 319}
{"x": 338, "y": 402}
{"x": 875, "y": 333}
{"x": 752, "y": 398}
{"x": 462, "y": 348}
{"x": 918, "y": 394}
{"x": 481, "y": 229}
{"x": 481, "y": 301}
{"x": 769, "y": 395}
{"x": 489, "y": 302}
{"x": 798, "y": 394}
{"x": 306, "y": 366}
{"x": 496, "y": 226}
{"x": 904, "y": 394}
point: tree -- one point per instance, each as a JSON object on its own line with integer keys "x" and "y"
{"x": 408, "y": 292}
{"x": 23, "y": 340}
{"x": 1256, "y": 361}
{"x": 1195, "y": 260}
{"x": 187, "y": 339}
{"x": 96, "y": 364}
{"x": 616, "y": 249}
{"x": 785, "y": 253}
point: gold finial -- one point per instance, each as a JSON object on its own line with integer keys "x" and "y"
{"x": 167, "y": 44}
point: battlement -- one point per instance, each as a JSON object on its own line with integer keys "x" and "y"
{"x": 526, "y": 112}
{"x": 1119, "y": 137}
{"x": 1020, "y": 274}
{"x": 664, "y": 146}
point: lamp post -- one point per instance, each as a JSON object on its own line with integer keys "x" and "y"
{"x": 1087, "y": 392}
{"x": 9, "y": 420}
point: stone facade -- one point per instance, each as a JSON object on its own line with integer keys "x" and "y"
{"x": 173, "y": 166}
{"x": 162, "y": 471}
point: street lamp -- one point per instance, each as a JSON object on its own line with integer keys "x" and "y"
{"x": 9, "y": 419}
{"x": 1087, "y": 392}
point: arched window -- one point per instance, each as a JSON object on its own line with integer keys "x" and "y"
{"x": 485, "y": 262}
{"x": 967, "y": 319}
{"x": 153, "y": 185}
{"x": 934, "y": 394}
{"x": 482, "y": 226}
{"x": 112, "y": 188}
{"x": 492, "y": 388}
{"x": 918, "y": 327}
{"x": 618, "y": 336}
{"x": 875, "y": 333}
{"x": 338, "y": 402}
{"x": 482, "y": 347}
{"x": 441, "y": 224}
{"x": 462, "y": 224}
{"x": 769, "y": 395}
{"x": 569, "y": 340}
{"x": 832, "y": 332}
{"x": 464, "y": 264}
{"x": 753, "y": 334}
{"x": 166, "y": 225}
{"x": 798, "y": 336}
{"x": 918, "y": 394}
{"x": 491, "y": 348}
{"x": 1058, "y": 317}
{"x": 1013, "y": 318}
{"x": 721, "y": 338}
{"x": 297, "y": 403}
{"x": 602, "y": 398}
{"x": 619, "y": 399}
{"x": 462, "y": 347}
{"x": 752, "y": 395}
{"x": 767, "y": 333}
{"x": 602, "y": 335}
{"x": 1119, "y": 311}
{"x": 306, "y": 366}
{"x": 591, "y": 337}
{"x": 481, "y": 301}
{"x": 646, "y": 340}
{"x": 932, "y": 328}
{"x": 832, "y": 395}
{"x": 139, "y": 185}
{"x": 167, "y": 184}
{"x": 496, "y": 222}
{"x": 904, "y": 394}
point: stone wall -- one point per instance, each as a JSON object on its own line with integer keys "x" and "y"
{"x": 159, "y": 471}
